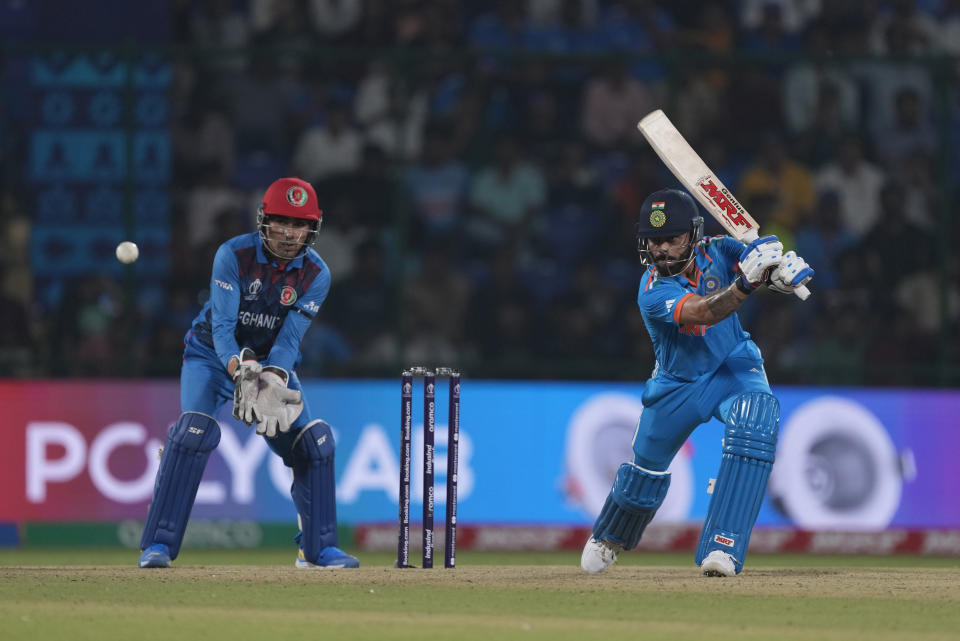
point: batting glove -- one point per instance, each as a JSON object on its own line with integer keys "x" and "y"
{"x": 758, "y": 259}
{"x": 791, "y": 273}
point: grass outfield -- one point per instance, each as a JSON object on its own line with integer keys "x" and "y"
{"x": 49, "y": 594}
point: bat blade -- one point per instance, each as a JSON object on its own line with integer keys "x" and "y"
{"x": 704, "y": 185}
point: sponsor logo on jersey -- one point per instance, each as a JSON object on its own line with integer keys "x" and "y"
{"x": 722, "y": 540}
{"x": 223, "y": 285}
{"x": 267, "y": 321}
{"x": 297, "y": 196}
{"x": 311, "y": 307}
{"x": 669, "y": 303}
{"x": 288, "y": 295}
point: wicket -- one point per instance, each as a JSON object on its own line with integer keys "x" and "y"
{"x": 453, "y": 436}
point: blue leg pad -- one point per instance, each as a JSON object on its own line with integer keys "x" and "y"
{"x": 634, "y": 498}
{"x": 749, "y": 445}
{"x": 314, "y": 489}
{"x": 184, "y": 458}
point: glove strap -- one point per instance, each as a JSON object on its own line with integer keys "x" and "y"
{"x": 278, "y": 371}
{"x": 246, "y": 354}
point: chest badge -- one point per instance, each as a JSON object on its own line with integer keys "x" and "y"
{"x": 288, "y": 295}
{"x": 254, "y": 289}
{"x": 711, "y": 284}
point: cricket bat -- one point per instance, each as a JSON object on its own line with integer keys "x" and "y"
{"x": 680, "y": 158}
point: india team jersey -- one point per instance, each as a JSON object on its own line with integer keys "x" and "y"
{"x": 257, "y": 304}
{"x": 686, "y": 352}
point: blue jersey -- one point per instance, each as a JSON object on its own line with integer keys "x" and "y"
{"x": 687, "y": 352}
{"x": 257, "y": 304}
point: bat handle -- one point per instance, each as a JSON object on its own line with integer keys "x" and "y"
{"x": 802, "y": 292}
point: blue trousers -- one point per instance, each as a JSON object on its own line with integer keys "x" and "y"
{"x": 673, "y": 408}
{"x": 205, "y": 386}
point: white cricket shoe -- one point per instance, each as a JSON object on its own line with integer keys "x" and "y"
{"x": 598, "y": 555}
{"x": 718, "y": 563}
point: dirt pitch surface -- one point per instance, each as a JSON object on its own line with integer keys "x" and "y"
{"x": 940, "y": 585}
{"x": 485, "y": 602}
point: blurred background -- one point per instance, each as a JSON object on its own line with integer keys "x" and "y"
{"x": 480, "y": 173}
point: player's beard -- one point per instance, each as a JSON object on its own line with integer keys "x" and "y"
{"x": 667, "y": 266}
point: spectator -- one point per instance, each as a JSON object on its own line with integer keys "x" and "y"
{"x": 857, "y": 182}
{"x": 330, "y": 148}
{"x": 506, "y": 198}
{"x": 365, "y": 302}
{"x": 611, "y": 104}
{"x": 785, "y": 181}
{"x": 912, "y": 130}
{"x": 436, "y": 189}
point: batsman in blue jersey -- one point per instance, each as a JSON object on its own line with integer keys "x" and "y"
{"x": 707, "y": 366}
{"x": 265, "y": 289}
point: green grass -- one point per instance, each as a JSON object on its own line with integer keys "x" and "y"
{"x": 256, "y": 594}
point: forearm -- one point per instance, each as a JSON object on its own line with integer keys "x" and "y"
{"x": 708, "y": 310}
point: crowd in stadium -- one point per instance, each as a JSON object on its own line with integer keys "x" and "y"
{"x": 480, "y": 173}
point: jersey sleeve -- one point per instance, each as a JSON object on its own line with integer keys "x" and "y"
{"x": 286, "y": 347}
{"x": 662, "y": 301}
{"x": 730, "y": 248}
{"x": 225, "y": 303}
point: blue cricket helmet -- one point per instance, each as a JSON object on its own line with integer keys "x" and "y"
{"x": 664, "y": 214}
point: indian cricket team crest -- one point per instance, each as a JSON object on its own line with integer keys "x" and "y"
{"x": 288, "y": 295}
{"x": 711, "y": 284}
{"x": 297, "y": 196}
{"x": 657, "y": 217}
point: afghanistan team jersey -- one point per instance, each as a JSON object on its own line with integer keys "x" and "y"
{"x": 257, "y": 304}
{"x": 686, "y": 352}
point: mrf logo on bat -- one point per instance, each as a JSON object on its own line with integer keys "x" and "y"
{"x": 732, "y": 210}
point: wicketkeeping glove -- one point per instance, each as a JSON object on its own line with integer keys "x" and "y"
{"x": 758, "y": 259}
{"x": 791, "y": 273}
{"x": 277, "y": 406}
{"x": 245, "y": 386}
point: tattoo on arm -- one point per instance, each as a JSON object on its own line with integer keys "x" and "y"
{"x": 724, "y": 303}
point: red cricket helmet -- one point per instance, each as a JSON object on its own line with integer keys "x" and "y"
{"x": 291, "y": 197}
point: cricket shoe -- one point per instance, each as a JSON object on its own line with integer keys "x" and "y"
{"x": 330, "y": 557}
{"x": 718, "y": 563}
{"x": 599, "y": 555}
{"x": 155, "y": 556}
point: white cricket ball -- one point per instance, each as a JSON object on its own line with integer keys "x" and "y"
{"x": 127, "y": 252}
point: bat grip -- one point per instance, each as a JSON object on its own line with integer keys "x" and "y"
{"x": 802, "y": 292}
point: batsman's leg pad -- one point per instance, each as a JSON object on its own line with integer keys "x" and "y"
{"x": 314, "y": 489}
{"x": 749, "y": 445}
{"x": 185, "y": 453}
{"x": 633, "y": 500}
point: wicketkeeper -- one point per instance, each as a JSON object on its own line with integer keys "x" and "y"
{"x": 706, "y": 366}
{"x": 265, "y": 289}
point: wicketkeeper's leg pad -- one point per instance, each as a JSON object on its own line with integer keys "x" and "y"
{"x": 185, "y": 453}
{"x": 314, "y": 489}
{"x": 633, "y": 500}
{"x": 749, "y": 445}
